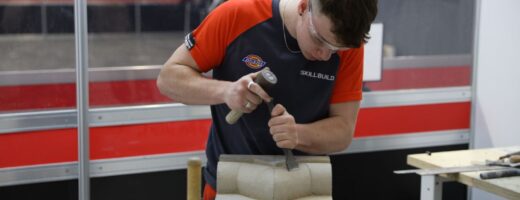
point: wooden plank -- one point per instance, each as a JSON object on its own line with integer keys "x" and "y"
{"x": 506, "y": 187}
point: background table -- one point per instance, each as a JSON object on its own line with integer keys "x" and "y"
{"x": 431, "y": 185}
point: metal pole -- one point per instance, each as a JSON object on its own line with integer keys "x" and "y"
{"x": 80, "y": 24}
{"x": 43, "y": 15}
{"x": 474, "y": 71}
{"x": 431, "y": 187}
{"x": 187, "y": 17}
{"x": 137, "y": 17}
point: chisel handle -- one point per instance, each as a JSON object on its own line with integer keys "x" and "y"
{"x": 514, "y": 159}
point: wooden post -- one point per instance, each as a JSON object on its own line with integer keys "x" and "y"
{"x": 194, "y": 179}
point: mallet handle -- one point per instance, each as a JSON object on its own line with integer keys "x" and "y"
{"x": 265, "y": 79}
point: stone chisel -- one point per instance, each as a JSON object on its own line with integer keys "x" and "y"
{"x": 290, "y": 161}
{"x": 266, "y": 79}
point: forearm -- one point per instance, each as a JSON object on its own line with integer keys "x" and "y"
{"x": 188, "y": 86}
{"x": 325, "y": 136}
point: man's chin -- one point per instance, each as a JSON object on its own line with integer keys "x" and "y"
{"x": 308, "y": 56}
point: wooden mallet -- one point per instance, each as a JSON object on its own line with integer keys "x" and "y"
{"x": 265, "y": 79}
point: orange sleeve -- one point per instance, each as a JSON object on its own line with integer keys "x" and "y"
{"x": 222, "y": 26}
{"x": 349, "y": 82}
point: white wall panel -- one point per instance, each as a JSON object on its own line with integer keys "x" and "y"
{"x": 496, "y": 103}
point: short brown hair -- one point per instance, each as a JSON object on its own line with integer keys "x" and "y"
{"x": 351, "y": 19}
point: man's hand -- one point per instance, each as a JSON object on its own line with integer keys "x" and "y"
{"x": 244, "y": 95}
{"x": 283, "y": 128}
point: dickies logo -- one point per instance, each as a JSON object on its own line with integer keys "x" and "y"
{"x": 253, "y": 61}
{"x": 189, "y": 41}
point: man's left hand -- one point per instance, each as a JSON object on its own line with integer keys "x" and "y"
{"x": 283, "y": 128}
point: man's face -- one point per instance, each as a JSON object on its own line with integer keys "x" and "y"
{"x": 315, "y": 37}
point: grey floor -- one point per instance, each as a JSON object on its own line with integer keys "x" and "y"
{"x": 35, "y": 52}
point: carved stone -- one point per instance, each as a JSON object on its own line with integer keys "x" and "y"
{"x": 242, "y": 177}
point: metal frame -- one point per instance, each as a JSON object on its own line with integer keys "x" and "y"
{"x": 58, "y": 119}
{"x": 177, "y": 161}
{"x": 54, "y": 76}
{"x": 474, "y": 83}
{"x": 431, "y": 187}
{"x": 55, "y": 119}
{"x": 126, "y": 115}
{"x": 18, "y": 122}
{"x": 99, "y": 168}
{"x": 427, "y": 61}
{"x": 43, "y": 16}
{"x": 408, "y": 141}
{"x": 82, "y": 94}
{"x": 187, "y": 17}
{"x": 416, "y": 97}
{"x": 150, "y": 72}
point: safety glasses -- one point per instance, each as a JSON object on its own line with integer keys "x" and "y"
{"x": 318, "y": 39}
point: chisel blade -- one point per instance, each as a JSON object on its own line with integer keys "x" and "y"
{"x": 290, "y": 161}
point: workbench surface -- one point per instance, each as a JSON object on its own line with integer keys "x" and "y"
{"x": 508, "y": 187}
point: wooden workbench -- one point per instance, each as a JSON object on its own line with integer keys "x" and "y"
{"x": 431, "y": 186}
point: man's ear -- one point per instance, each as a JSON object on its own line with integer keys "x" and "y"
{"x": 302, "y": 5}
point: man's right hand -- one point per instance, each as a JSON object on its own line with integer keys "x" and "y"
{"x": 245, "y": 95}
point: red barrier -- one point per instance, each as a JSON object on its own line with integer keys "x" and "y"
{"x": 59, "y": 96}
{"x": 135, "y": 92}
{"x": 409, "y": 119}
{"x": 44, "y": 147}
{"x": 89, "y": 2}
{"x": 53, "y": 146}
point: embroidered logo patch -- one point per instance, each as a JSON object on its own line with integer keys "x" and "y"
{"x": 253, "y": 61}
{"x": 189, "y": 41}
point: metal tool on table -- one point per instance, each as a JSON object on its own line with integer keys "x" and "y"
{"x": 515, "y": 157}
{"x": 500, "y": 174}
{"x": 266, "y": 79}
{"x": 450, "y": 170}
{"x": 508, "y": 160}
{"x": 510, "y": 165}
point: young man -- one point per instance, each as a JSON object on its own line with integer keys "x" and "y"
{"x": 314, "y": 47}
